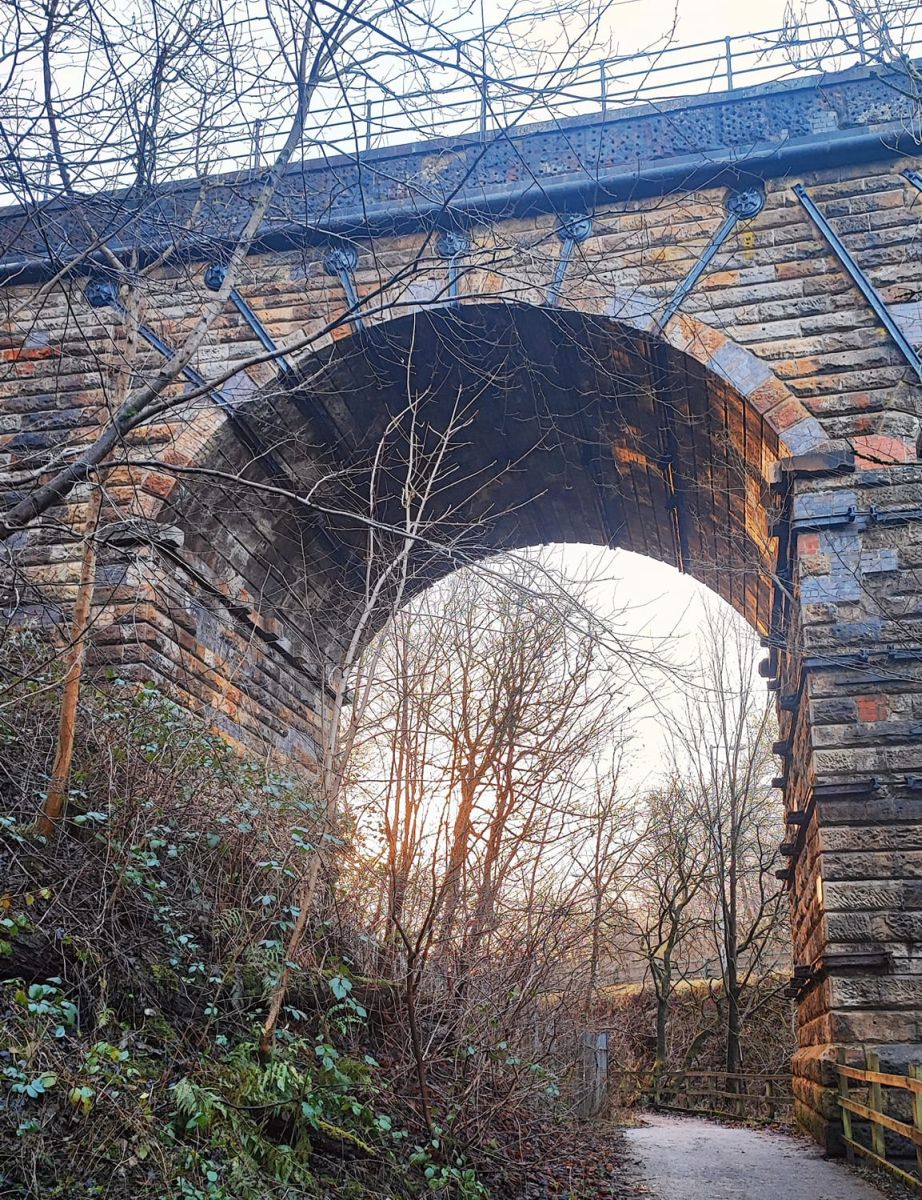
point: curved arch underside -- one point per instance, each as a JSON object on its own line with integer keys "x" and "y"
{"x": 548, "y": 426}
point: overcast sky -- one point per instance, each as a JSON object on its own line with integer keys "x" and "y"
{"x": 662, "y": 613}
{"x": 635, "y": 22}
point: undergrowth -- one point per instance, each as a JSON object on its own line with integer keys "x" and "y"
{"x": 137, "y": 955}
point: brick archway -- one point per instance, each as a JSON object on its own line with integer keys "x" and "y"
{"x": 702, "y": 410}
{"x": 751, "y": 377}
{"x": 846, "y": 646}
{"x": 746, "y": 386}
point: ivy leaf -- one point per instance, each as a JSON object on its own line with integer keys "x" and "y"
{"x": 340, "y": 986}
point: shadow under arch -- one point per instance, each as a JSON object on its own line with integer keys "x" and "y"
{"x": 570, "y": 427}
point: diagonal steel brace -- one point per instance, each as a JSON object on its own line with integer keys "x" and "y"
{"x": 739, "y": 206}
{"x": 103, "y": 293}
{"x": 860, "y": 280}
{"x": 215, "y": 274}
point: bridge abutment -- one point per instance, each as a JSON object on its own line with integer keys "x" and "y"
{"x": 850, "y": 706}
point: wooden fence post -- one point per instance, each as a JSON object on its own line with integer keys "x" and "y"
{"x": 593, "y": 1074}
{"x": 876, "y": 1102}
{"x": 915, "y": 1072}
{"x": 846, "y": 1115}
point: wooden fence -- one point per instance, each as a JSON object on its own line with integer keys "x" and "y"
{"x": 876, "y": 1087}
{"x": 737, "y": 1096}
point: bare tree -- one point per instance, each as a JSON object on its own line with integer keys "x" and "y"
{"x": 675, "y": 866}
{"x": 495, "y": 702}
{"x": 608, "y": 862}
{"x": 724, "y": 743}
{"x": 161, "y": 93}
{"x": 881, "y": 33}
{"x": 103, "y": 114}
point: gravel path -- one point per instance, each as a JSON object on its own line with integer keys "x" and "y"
{"x": 681, "y": 1158}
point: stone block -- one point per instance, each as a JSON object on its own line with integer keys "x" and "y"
{"x": 832, "y": 588}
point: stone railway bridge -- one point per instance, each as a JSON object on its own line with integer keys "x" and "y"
{"x": 688, "y": 329}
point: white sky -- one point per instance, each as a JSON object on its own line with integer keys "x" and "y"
{"x": 636, "y": 22}
{"x": 661, "y": 611}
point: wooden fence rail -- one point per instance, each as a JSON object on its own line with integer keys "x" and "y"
{"x": 873, "y": 1108}
{"x": 737, "y": 1095}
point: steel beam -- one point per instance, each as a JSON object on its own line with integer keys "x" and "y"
{"x": 572, "y": 232}
{"x": 706, "y": 168}
{"x": 739, "y": 206}
{"x": 860, "y": 280}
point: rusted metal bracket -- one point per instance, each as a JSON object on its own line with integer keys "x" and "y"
{"x": 814, "y": 524}
{"x": 140, "y": 531}
{"x": 837, "y": 962}
{"x": 847, "y": 516}
{"x": 893, "y": 516}
{"x": 904, "y": 653}
{"x": 801, "y": 979}
{"x": 801, "y": 818}
{"x": 860, "y": 280}
{"x": 572, "y": 232}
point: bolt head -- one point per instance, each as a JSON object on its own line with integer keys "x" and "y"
{"x": 100, "y": 293}
{"x": 745, "y": 203}
{"x": 578, "y": 227}
{"x": 340, "y": 259}
{"x": 452, "y": 242}
{"x": 215, "y": 274}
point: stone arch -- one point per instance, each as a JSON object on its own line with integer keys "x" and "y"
{"x": 700, "y": 400}
{"x": 798, "y": 430}
{"x": 629, "y": 438}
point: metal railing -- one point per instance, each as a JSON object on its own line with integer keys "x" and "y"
{"x": 487, "y": 106}
{"x": 481, "y": 105}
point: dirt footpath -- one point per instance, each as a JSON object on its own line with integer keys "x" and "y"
{"x": 681, "y": 1158}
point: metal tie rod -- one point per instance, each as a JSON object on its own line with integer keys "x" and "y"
{"x": 739, "y": 206}
{"x": 340, "y": 263}
{"x": 572, "y": 232}
{"x": 214, "y": 277}
{"x": 451, "y": 245}
{"x": 860, "y": 280}
{"x": 103, "y": 293}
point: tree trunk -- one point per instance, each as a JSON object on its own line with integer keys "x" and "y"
{"x": 52, "y": 810}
